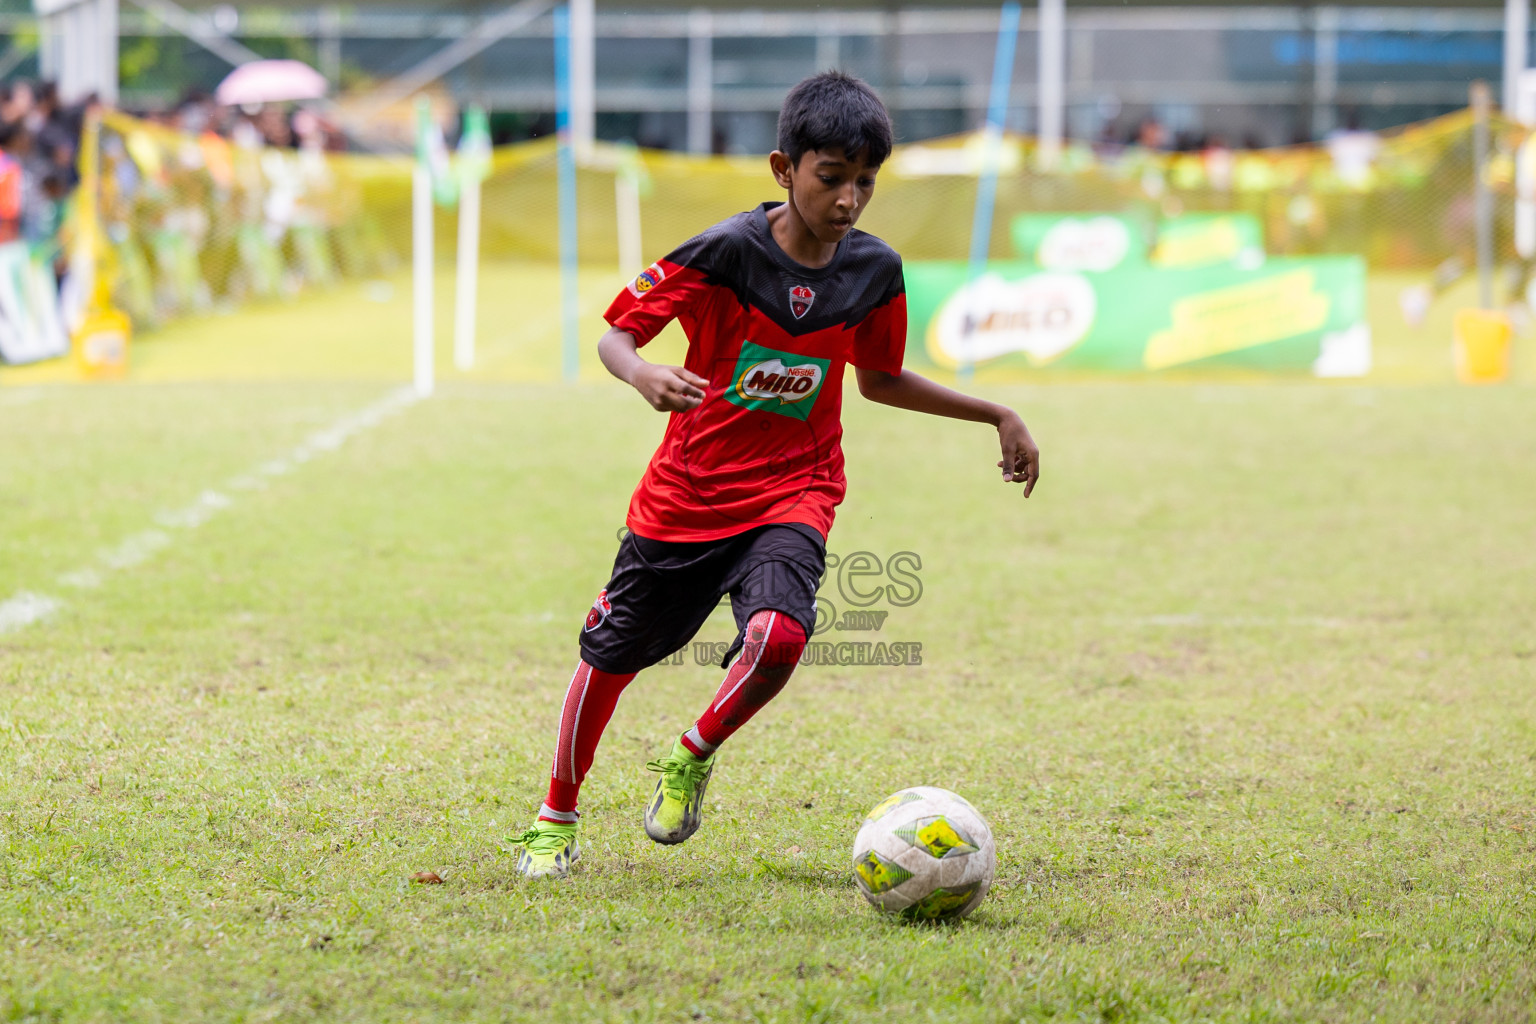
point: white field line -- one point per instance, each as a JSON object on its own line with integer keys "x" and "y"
{"x": 26, "y": 607}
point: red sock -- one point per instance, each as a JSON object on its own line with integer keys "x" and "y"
{"x": 589, "y": 703}
{"x": 772, "y": 649}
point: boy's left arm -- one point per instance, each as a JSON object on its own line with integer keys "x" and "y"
{"x": 907, "y": 390}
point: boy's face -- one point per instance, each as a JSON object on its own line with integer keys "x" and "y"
{"x": 828, "y": 188}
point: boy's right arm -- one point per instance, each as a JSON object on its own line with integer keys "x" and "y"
{"x": 667, "y": 388}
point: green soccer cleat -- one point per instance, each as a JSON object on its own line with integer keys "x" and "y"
{"x": 547, "y": 850}
{"x": 676, "y": 809}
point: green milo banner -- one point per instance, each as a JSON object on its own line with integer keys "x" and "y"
{"x": 1080, "y": 241}
{"x": 1303, "y": 314}
{"x": 1106, "y": 241}
{"x": 1208, "y": 240}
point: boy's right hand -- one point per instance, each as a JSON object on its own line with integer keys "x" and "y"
{"x": 669, "y": 388}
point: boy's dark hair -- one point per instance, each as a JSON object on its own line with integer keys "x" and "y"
{"x": 834, "y": 111}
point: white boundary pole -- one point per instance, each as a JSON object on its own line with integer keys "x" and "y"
{"x": 1482, "y": 199}
{"x": 1052, "y": 61}
{"x": 583, "y": 77}
{"x": 468, "y": 275}
{"x": 421, "y": 276}
{"x": 1525, "y": 167}
{"x": 1517, "y": 27}
{"x": 626, "y": 197}
{"x": 1325, "y": 70}
{"x": 701, "y": 64}
{"x": 992, "y": 142}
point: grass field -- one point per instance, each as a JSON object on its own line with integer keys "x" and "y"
{"x": 1246, "y": 691}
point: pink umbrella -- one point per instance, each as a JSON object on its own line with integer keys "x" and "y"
{"x": 271, "y": 81}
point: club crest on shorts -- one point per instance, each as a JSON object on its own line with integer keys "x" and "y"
{"x": 800, "y": 299}
{"x": 599, "y": 613}
{"x": 647, "y": 279}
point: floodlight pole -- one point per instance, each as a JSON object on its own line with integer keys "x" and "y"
{"x": 566, "y": 168}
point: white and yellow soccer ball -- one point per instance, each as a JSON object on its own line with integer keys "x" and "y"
{"x": 926, "y": 854}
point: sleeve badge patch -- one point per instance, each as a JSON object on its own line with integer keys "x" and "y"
{"x": 648, "y": 278}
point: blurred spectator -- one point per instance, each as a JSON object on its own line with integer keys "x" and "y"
{"x": 1220, "y": 163}
{"x": 54, "y": 130}
{"x": 1151, "y": 134}
{"x": 240, "y": 183}
{"x": 10, "y": 184}
{"x": 39, "y": 141}
{"x": 47, "y": 223}
{"x": 274, "y": 127}
{"x": 16, "y": 100}
{"x": 1109, "y": 142}
{"x": 1353, "y": 150}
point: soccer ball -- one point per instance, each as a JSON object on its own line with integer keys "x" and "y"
{"x": 925, "y": 854}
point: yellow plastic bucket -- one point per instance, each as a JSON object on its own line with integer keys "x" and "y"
{"x": 101, "y": 344}
{"x": 1482, "y": 344}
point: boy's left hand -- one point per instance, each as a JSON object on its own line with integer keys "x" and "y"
{"x": 1021, "y": 456}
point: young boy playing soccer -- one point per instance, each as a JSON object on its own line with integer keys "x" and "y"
{"x": 740, "y": 496}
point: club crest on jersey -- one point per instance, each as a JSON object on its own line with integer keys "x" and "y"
{"x": 647, "y": 279}
{"x": 599, "y": 613}
{"x": 800, "y": 299}
{"x": 773, "y": 381}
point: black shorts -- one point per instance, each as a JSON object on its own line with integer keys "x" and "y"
{"x": 662, "y": 591}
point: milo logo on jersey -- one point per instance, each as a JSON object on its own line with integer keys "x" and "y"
{"x": 775, "y": 381}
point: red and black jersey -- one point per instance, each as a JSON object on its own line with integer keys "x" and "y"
{"x": 772, "y": 337}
